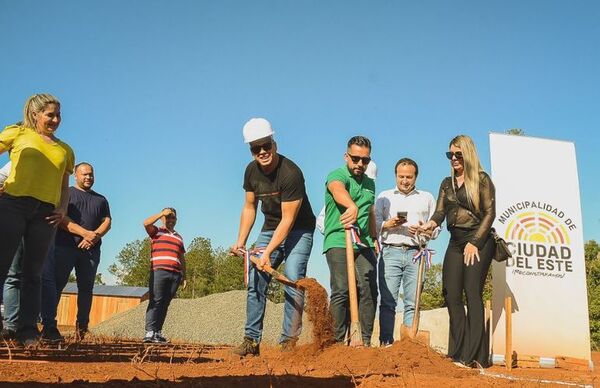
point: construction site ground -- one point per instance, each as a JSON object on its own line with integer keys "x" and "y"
{"x": 112, "y": 362}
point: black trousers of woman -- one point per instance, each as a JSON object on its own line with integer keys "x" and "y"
{"x": 468, "y": 340}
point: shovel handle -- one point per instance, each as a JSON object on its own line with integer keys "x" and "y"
{"x": 274, "y": 273}
{"x": 415, "y": 324}
{"x": 352, "y": 292}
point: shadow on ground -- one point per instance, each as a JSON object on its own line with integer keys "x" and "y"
{"x": 207, "y": 381}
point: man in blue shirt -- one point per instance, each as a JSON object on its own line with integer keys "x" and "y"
{"x": 77, "y": 246}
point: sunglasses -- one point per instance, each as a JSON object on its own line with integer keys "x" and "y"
{"x": 255, "y": 149}
{"x": 355, "y": 159}
{"x": 458, "y": 155}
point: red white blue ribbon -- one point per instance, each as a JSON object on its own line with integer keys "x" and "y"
{"x": 355, "y": 235}
{"x": 257, "y": 252}
{"x": 424, "y": 253}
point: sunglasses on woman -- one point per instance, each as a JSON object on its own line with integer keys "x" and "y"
{"x": 458, "y": 155}
{"x": 255, "y": 149}
{"x": 355, "y": 159}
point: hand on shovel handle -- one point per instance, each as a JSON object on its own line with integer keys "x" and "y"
{"x": 274, "y": 273}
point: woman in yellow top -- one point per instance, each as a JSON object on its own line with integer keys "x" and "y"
{"x": 34, "y": 200}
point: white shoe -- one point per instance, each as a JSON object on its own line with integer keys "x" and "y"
{"x": 149, "y": 337}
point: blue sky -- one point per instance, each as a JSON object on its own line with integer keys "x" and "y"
{"x": 155, "y": 93}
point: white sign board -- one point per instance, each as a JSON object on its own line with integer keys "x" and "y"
{"x": 538, "y": 213}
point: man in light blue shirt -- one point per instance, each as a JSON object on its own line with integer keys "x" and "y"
{"x": 398, "y": 213}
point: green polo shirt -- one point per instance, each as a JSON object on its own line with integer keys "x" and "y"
{"x": 363, "y": 195}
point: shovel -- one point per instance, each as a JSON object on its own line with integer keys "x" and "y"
{"x": 419, "y": 335}
{"x": 276, "y": 274}
{"x": 355, "y": 335}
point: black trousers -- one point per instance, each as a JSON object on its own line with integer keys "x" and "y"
{"x": 23, "y": 219}
{"x": 366, "y": 278}
{"x": 468, "y": 340}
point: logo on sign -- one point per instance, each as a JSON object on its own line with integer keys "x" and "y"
{"x": 538, "y": 236}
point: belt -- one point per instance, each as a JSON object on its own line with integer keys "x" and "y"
{"x": 405, "y": 246}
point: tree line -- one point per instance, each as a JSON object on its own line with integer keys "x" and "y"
{"x": 208, "y": 270}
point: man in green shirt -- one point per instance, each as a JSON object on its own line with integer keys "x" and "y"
{"x": 349, "y": 200}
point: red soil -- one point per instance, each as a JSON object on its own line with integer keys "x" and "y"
{"x": 406, "y": 364}
{"x": 317, "y": 308}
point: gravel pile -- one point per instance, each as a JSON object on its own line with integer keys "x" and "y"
{"x": 213, "y": 319}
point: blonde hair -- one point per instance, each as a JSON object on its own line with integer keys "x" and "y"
{"x": 36, "y": 104}
{"x": 472, "y": 168}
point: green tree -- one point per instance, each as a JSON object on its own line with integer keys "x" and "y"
{"x": 200, "y": 269}
{"x": 98, "y": 280}
{"x": 133, "y": 264}
{"x": 228, "y": 272}
{"x": 431, "y": 296}
{"x": 275, "y": 292}
{"x": 208, "y": 271}
{"x": 515, "y": 131}
{"x": 592, "y": 267}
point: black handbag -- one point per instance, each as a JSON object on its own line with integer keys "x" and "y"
{"x": 502, "y": 253}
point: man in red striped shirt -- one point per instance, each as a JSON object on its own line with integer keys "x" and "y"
{"x": 168, "y": 271}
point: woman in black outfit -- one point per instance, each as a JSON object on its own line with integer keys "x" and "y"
{"x": 467, "y": 202}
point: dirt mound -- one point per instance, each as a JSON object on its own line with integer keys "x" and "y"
{"x": 317, "y": 308}
{"x": 402, "y": 356}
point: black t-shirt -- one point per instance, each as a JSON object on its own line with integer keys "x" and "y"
{"x": 87, "y": 209}
{"x": 284, "y": 184}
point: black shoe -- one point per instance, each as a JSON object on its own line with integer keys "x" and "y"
{"x": 28, "y": 338}
{"x": 248, "y": 346}
{"x": 159, "y": 338}
{"x": 52, "y": 335}
{"x": 81, "y": 332}
{"x": 8, "y": 334}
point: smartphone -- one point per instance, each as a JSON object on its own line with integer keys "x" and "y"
{"x": 402, "y": 214}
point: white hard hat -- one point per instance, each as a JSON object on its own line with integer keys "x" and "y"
{"x": 371, "y": 170}
{"x": 256, "y": 128}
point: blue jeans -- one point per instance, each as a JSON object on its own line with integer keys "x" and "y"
{"x": 163, "y": 287}
{"x": 295, "y": 251}
{"x": 57, "y": 269}
{"x": 396, "y": 266}
{"x": 12, "y": 292}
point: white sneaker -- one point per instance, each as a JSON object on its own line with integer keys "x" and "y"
{"x": 149, "y": 337}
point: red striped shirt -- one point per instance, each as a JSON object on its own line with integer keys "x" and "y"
{"x": 166, "y": 249}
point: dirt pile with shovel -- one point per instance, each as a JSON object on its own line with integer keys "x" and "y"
{"x": 317, "y": 308}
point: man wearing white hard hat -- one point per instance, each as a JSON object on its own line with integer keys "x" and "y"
{"x": 286, "y": 235}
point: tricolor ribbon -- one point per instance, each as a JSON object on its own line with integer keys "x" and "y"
{"x": 355, "y": 235}
{"x": 247, "y": 262}
{"x": 424, "y": 253}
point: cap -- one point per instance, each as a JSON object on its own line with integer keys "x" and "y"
{"x": 257, "y": 128}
